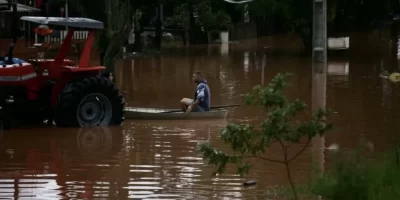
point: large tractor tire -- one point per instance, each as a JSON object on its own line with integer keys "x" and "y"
{"x": 93, "y": 101}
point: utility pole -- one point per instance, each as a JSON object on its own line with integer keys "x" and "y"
{"x": 319, "y": 73}
{"x": 319, "y": 32}
{"x": 159, "y": 25}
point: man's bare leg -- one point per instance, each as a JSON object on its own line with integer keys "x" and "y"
{"x": 184, "y": 107}
{"x": 185, "y": 103}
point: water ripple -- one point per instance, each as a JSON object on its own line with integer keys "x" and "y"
{"x": 157, "y": 159}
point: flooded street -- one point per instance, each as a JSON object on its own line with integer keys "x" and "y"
{"x": 157, "y": 159}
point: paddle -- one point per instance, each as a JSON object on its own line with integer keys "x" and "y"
{"x": 212, "y": 107}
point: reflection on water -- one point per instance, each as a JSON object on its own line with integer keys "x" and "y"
{"x": 142, "y": 160}
{"x": 338, "y": 73}
{"x": 60, "y": 163}
{"x": 263, "y": 65}
{"x": 246, "y": 62}
{"x": 158, "y": 160}
{"x": 319, "y": 77}
{"x": 224, "y": 49}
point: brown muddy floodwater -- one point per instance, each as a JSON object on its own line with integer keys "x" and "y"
{"x": 157, "y": 159}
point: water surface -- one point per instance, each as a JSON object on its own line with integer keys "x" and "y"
{"x": 157, "y": 159}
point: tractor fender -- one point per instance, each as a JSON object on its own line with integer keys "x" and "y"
{"x": 69, "y": 74}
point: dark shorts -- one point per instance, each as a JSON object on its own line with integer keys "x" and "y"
{"x": 197, "y": 108}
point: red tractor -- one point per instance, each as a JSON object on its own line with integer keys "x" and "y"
{"x": 58, "y": 89}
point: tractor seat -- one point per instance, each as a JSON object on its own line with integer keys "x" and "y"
{"x": 15, "y": 61}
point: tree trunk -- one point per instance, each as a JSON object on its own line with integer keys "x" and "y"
{"x": 192, "y": 25}
{"x": 138, "y": 41}
{"x": 396, "y": 6}
{"x": 158, "y": 34}
{"x": 138, "y": 35}
{"x": 394, "y": 50}
{"x": 103, "y": 43}
{"x": 186, "y": 37}
{"x": 102, "y": 55}
{"x": 307, "y": 42}
{"x": 110, "y": 64}
{"x": 306, "y": 37}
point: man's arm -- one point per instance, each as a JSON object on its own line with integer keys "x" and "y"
{"x": 200, "y": 95}
{"x": 200, "y": 98}
{"x": 195, "y": 103}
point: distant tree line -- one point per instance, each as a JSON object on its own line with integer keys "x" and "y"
{"x": 197, "y": 17}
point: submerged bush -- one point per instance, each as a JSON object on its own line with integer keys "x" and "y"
{"x": 280, "y": 126}
{"x": 358, "y": 178}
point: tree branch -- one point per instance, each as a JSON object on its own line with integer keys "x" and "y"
{"x": 284, "y": 150}
{"x": 289, "y": 145}
{"x": 271, "y": 160}
{"x": 263, "y": 158}
{"x": 289, "y": 175}
{"x": 301, "y": 151}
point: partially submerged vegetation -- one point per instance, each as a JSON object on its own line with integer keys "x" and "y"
{"x": 354, "y": 176}
{"x": 357, "y": 177}
{"x": 280, "y": 126}
{"x": 394, "y": 77}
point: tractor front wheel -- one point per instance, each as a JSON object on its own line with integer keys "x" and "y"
{"x": 92, "y": 101}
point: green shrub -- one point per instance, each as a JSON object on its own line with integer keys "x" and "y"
{"x": 280, "y": 126}
{"x": 358, "y": 178}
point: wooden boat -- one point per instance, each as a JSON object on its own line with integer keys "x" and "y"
{"x": 190, "y": 123}
{"x": 172, "y": 114}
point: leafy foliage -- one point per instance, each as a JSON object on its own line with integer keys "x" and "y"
{"x": 357, "y": 178}
{"x": 207, "y": 16}
{"x": 119, "y": 25}
{"x": 283, "y": 15}
{"x": 280, "y": 125}
{"x": 180, "y": 17}
{"x": 210, "y": 19}
{"x": 117, "y": 17}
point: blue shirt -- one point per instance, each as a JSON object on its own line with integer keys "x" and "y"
{"x": 203, "y": 95}
{"x": 15, "y": 61}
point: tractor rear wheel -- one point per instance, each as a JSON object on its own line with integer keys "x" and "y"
{"x": 93, "y": 101}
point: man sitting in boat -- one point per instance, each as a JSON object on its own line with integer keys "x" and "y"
{"x": 201, "y": 102}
